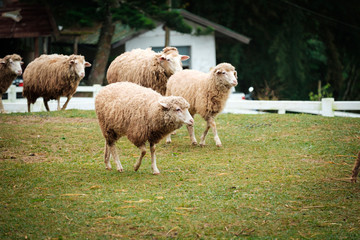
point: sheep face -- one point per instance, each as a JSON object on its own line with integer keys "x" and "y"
{"x": 226, "y": 75}
{"x": 78, "y": 65}
{"x": 178, "y": 109}
{"x": 13, "y": 65}
{"x": 170, "y": 60}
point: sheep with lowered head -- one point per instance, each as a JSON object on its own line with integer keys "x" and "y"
{"x": 53, "y": 76}
{"x": 146, "y": 68}
{"x": 207, "y": 94}
{"x": 141, "y": 114}
{"x": 10, "y": 68}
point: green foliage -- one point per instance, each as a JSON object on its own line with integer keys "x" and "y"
{"x": 325, "y": 92}
{"x": 294, "y": 44}
{"x": 277, "y": 177}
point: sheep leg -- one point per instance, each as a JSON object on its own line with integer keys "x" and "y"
{"x": 355, "y": 170}
{"x": 66, "y": 103}
{"x": 192, "y": 134}
{"x": 113, "y": 152}
{"x": 142, "y": 154}
{"x": 216, "y": 136}
{"x": 168, "y": 138}
{"x": 211, "y": 123}
{"x": 28, "y": 104}
{"x": 203, "y": 136}
{"x": 107, "y": 157}
{"x": 46, "y": 104}
{"x": 153, "y": 159}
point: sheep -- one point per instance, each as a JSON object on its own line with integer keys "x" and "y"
{"x": 146, "y": 68}
{"x": 141, "y": 114}
{"x": 207, "y": 94}
{"x": 355, "y": 170}
{"x": 53, "y": 76}
{"x": 10, "y": 69}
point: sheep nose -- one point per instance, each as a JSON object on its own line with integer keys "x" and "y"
{"x": 191, "y": 121}
{"x": 19, "y": 72}
{"x": 235, "y": 83}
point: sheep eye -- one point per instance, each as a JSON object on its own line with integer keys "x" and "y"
{"x": 178, "y": 110}
{"x": 223, "y": 72}
{"x": 168, "y": 59}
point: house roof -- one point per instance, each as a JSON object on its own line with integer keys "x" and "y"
{"x": 31, "y": 21}
{"x": 218, "y": 28}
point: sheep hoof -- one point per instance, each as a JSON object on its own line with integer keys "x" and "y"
{"x": 194, "y": 143}
{"x": 108, "y": 168}
{"x": 219, "y": 145}
{"x": 120, "y": 170}
{"x": 156, "y": 173}
{"x": 168, "y": 141}
{"x": 202, "y": 145}
{"x": 353, "y": 180}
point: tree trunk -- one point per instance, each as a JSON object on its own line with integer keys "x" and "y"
{"x": 334, "y": 66}
{"x": 97, "y": 74}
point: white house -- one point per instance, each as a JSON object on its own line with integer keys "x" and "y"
{"x": 200, "y": 48}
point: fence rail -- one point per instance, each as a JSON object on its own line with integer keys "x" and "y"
{"x": 326, "y": 107}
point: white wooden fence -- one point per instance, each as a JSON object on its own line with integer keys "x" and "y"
{"x": 326, "y": 107}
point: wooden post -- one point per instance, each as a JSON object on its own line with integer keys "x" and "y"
{"x": 167, "y": 30}
{"x": 36, "y": 47}
{"x": 76, "y": 45}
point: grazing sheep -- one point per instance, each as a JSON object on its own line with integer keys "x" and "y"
{"x": 355, "y": 170}
{"x": 53, "y": 76}
{"x": 206, "y": 92}
{"x": 146, "y": 68}
{"x": 141, "y": 114}
{"x": 10, "y": 68}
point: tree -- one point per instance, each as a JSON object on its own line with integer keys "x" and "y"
{"x": 295, "y": 43}
{"x": 137, "y": 14}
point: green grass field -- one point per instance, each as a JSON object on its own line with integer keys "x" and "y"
{"x": 276, "y": 176}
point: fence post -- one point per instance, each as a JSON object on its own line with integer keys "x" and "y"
{"x": 327, "y": 107}
{"x": 281, "y": 111}
{"x": 97, "y": 88}
{"x": 12, "y": 93}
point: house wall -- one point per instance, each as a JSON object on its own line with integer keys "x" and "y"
{"x": 202, "y": 48}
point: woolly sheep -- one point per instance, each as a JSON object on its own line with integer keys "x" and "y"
{"x": 146, "y": 68}
{"x": 207, "y": 94}
{"x": 53, "y": 76}
{"x": 10, "y": 68}
{"x": 141, "y": 114}
{"x": 355, "y": 170}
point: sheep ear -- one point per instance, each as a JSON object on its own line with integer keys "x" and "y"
{"x": 162, "y": 58}
{"x": 21, "y": 63}
{"x": 218, "y": 72}
{"x": 87, "y": 64}
{"x": 184, "y": 57}
{"x": 2, "y": 61}
{"x": 164, "y": 104}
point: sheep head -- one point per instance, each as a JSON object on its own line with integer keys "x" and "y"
{"x": 77, "y": 64}
{"x": 177, "y": 108}
{"x": 225, "y": 74}
{"x": 170, "y": 60}
{"x": 12, "y": 62}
